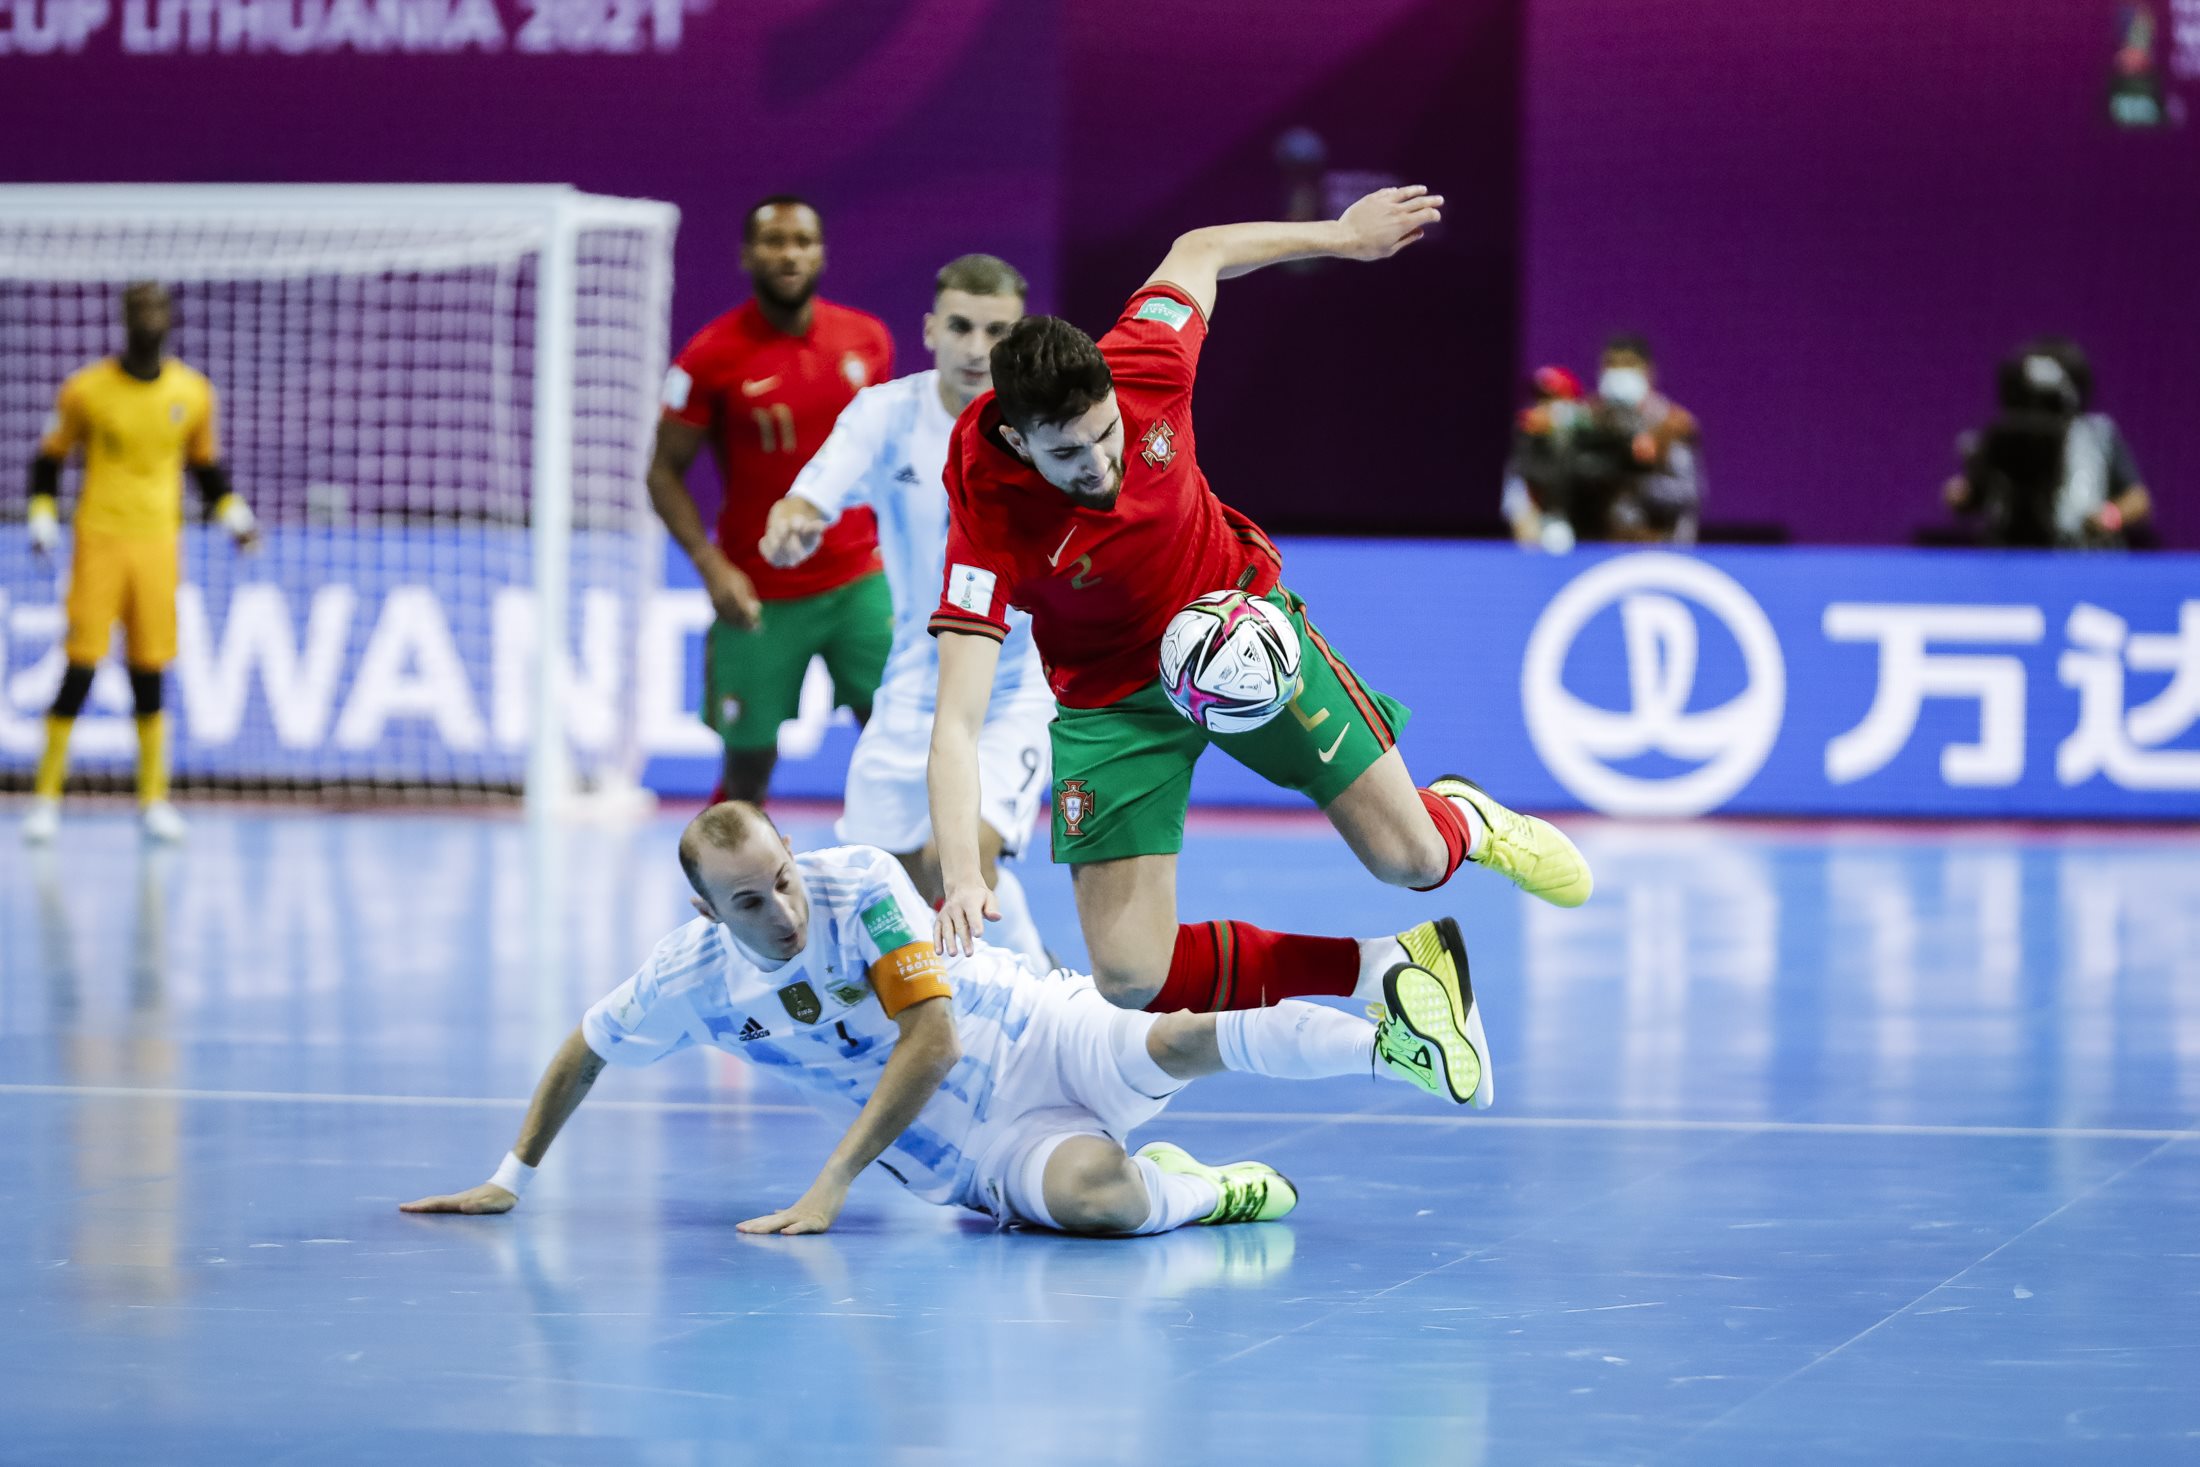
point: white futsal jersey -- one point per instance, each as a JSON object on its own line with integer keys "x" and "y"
{"x": 888, "y": 450}
{"x": 818, "y": 1019}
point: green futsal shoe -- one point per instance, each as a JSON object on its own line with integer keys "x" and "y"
{"x": 1532, "y": 854}
{"x": 1431, "y": 1034}
{"x": 1252, "y": 1191}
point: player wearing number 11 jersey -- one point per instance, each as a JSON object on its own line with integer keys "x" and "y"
{"x": 763, "y": 384}
{"x": 1076, "y": 495}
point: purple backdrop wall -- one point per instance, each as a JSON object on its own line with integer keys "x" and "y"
{"x": 1832, "y": 216}
{"x": 923, "y": 128}
{"x": 1350, "y": 398}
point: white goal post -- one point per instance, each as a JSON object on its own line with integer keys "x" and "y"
{"x": 439, "y": 400}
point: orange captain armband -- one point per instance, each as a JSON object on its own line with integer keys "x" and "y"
{"x": 909, "y": 975}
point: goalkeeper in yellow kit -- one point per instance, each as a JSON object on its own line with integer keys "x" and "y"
{"x": 139, "y": 418}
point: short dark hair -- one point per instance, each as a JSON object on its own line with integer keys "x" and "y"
{"x": 979, "y": 275}
{"x": 1047, "y": 371}
{"x": 720, "y": 827}
{"x": 1634, "y": 343}
{"x": 776, "y": 201}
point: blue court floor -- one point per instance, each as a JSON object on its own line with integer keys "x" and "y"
{"x": 1812, "y": 1145}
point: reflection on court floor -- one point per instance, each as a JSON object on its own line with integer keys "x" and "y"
{"x": 1858, "y": 1143}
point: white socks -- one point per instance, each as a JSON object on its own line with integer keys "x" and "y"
{"x": 1173, "y": 1199}
{"x": 1478, "y": 829}
{"x": 1016, "y": 931}
{"x": 1378, "y": 955}
{"x": 1296, "y": 1040}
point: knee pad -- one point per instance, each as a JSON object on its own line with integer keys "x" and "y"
{"x": 76, "y": 686}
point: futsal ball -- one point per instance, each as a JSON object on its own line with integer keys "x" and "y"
{"x": 1230, "y": 661}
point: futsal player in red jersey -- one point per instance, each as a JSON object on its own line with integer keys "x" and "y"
{"x": 763, "y": 384}
{"x": 1075, "y": 494}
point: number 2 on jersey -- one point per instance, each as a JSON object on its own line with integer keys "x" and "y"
{"x": 775, "y": 427}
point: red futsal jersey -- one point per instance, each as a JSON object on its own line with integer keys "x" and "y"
{"x": 768, "y": 400}
{"x": 1100, "y": 584}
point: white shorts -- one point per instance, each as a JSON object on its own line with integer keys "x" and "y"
{"x": 1062, "y": 1079}
{"x": 888, "y": 805}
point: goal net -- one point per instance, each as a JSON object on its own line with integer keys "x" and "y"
{"x": 439, "y": 401}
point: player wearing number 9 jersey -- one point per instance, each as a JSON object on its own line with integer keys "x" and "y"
{"x": 1076, "y": 495}
{"x": 885, "y": 454}
{"x": 763, "y": 385}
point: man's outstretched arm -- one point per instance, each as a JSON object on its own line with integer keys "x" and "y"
{"x": 1375, "y": 228}
{"x": 968, "y": 661}
{"x": 564, "y": 1085}
{"x": 925, "y": 1052}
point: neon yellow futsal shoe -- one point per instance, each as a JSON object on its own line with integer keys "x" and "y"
{"x": 1252, "y": 1191}
{"x": 1431, "y": 1034}
{"x": 1532, "y": 854}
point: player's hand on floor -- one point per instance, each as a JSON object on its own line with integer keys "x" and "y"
{"x": 813, "y": 1214}
{"x": 962, "y": 918}
{"x": 483, "y": 1200}
{"x": 791, "y": 532}
{"x": 1388, "y": 220}
{"x": 733, "y": 596}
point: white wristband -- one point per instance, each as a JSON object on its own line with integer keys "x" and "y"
{"x": 236, "y": 517}
{"x": 513, "y": 1175}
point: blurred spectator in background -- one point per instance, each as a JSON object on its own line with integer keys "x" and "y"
{"x": 1626, "y": 464}
{"x": 2049, "y": 471}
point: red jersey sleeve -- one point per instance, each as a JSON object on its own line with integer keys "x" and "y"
{"x": 882, "y": 364}
{"x": 1155, "y": 342}
{"x": 975, "y": 589}
{"x": 688, "y": 395}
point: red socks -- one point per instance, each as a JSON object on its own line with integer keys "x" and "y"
{"x": 1235, "y": 965}
{"x": 1452, "y": 826}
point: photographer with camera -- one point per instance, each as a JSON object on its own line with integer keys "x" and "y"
{"x": 2049, "y": 471}
{"x": 1626, "y": 464}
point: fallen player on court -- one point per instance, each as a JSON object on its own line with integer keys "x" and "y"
{"x": 975, "y": 1082}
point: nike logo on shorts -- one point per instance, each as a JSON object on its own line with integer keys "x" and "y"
{"x": 759, "y": 387}
{"x": 1056, "y": 558}
{"x": 1331, "y": 752}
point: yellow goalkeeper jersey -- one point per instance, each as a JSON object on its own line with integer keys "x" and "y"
{"x": 137, "y": 437}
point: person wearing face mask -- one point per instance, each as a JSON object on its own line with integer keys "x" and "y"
{"x": 1654, "y": 491}
{"x": 1624, "y": 464}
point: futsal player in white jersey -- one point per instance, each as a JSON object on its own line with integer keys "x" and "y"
{"x": 887, "y": 450}
{"x": 976, "y": 1082}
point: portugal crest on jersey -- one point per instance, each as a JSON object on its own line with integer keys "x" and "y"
{"x": 1158, "y": 447}
{"x": 1076, "y": 804}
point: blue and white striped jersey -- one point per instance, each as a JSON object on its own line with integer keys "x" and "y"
{"x": 816, "y": 1018}
{"x": 888, "y": 449}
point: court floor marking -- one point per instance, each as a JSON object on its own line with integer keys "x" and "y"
{"x": 1908, "y": 1310}
{"x": 1270, "y": 1117}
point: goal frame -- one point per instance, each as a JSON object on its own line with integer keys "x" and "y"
{"x": 554, "y": 217}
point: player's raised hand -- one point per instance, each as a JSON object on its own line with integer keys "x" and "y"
{"x": 1388, "y": 220}
{"x": 962, "y": 918}
{"x": 791, "y": 532}
{"x": 486, "y": 1199}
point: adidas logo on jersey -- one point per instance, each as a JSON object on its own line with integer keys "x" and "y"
{"x": 905, "y": 475}
{"x": 752, "y": 1030}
